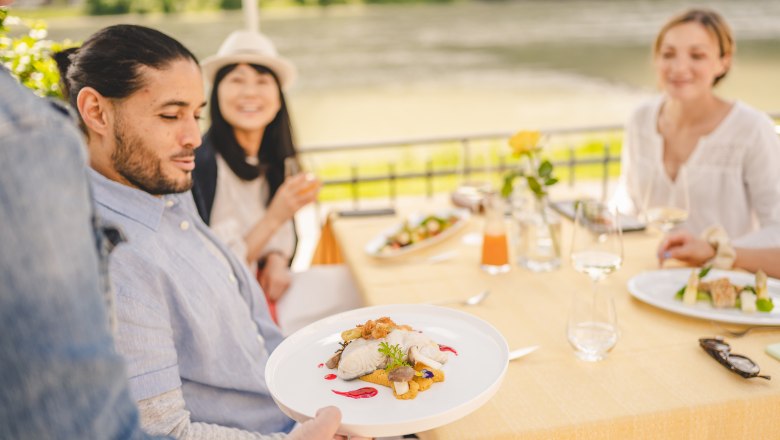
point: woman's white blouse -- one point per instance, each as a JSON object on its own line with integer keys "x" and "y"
{"x": 238, "y": 206}
{"x": 733, "y": 173}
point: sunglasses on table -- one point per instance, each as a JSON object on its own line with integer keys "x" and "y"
{"x": 720, "y": 350}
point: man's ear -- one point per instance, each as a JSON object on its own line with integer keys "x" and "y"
{"x": 94, "y": 109}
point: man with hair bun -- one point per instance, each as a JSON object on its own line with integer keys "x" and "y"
{"x": 193, "y": 324}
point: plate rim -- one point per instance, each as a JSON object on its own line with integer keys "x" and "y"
{"x": 419, "y": 424}
{"x": 462, "y": 213}
{"x": 665, "y": 303}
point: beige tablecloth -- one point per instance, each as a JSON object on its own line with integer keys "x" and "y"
{"x": 657, "y": 383}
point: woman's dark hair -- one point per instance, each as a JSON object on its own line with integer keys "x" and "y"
{"x": 110, "y": 61}
{"x": 277, "y": 143}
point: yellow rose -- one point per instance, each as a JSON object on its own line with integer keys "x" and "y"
{"x": 524, "y": 142}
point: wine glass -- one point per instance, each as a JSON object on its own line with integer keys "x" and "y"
{"x": 293, "y": 167}
{"x": 666, "y": 203}
{"x": 597, "y": 251}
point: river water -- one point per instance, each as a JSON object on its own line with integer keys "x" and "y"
{"x": 397, "y": 71}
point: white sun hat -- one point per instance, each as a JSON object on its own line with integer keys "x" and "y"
{"x": 244, "y": 46}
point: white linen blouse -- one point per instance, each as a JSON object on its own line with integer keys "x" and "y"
{"x": 733, "y": 173}
{"x": 238, "y": 206}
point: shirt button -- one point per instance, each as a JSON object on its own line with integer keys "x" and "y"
{"x": 232, "y": 278}
{"x": 168, "y": 203}
{"x": 184, "y": 225}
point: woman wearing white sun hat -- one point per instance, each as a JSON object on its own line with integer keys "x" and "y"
{"x": 240, "y": 186}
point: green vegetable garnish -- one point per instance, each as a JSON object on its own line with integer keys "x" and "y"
{"x": 395, "y": 354}
{"x": 764, "y": 305}
{"x": 702, "y": 273}
{"x": 701, "y": 295}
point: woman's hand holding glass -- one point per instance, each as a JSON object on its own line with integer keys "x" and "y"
{"x": 293, "y": 194}
{"x": 298, "y": 190}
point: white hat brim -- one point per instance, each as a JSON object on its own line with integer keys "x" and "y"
{"x": 285, "y": 71}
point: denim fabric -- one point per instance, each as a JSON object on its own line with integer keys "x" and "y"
{"x": 190, "y": 314}
{"x": 60, "y": 376}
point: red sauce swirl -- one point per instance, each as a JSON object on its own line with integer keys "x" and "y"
{"x": 447, "y": 348}
{"x": 360, "y": 393}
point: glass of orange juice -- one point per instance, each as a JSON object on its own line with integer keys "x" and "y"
{"x": 495, "y": 249}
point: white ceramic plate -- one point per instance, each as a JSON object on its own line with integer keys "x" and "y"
{"x": 374, "y": 246}
{"x": 297, "y": 381}
{"x": 659, "y": 287}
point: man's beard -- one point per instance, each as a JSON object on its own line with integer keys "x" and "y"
{"x": 141, "y": 167}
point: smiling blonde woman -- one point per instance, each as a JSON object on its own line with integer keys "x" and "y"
{"x": 729, "y": 151}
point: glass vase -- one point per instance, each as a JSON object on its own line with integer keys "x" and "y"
{"x": 537, "y": 242}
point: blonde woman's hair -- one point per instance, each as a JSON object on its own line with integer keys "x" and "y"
{"x": 712, "y": 22}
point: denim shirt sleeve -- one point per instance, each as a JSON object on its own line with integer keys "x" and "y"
{"x": 61, "y": 377}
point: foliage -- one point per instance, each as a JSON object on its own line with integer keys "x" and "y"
{"x": 394, "y": 354}
{"x": 108, "y": 7}
{"x": 29, "y": 56}
{"x": 538, "y": 174}
{"x": 230, "y": 4}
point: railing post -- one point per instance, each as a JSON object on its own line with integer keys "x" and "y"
{"x": 605, "y": 177}
{"x": 354, "y": 186}
{"x": 392, "y": 182}
{"x": 572, "y": 164}
{"x": 466, "y": 147}
{"x": 429, "y": 177}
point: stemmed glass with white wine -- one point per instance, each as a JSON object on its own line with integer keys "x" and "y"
{"x": 597, "y": 251}
{"x": 666, "y": 203}
{"x": 293, "y": 167}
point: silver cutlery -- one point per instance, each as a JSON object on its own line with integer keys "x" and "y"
{"x": 520, "y": 352}
{"x": 473, "y": 300}
{"x": 433, "y": 259}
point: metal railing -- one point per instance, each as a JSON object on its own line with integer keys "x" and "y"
{"x": 567, "y": 144}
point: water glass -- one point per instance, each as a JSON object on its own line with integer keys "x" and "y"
{"x": 592, "y": 328}
{"x": 495, "y": 249}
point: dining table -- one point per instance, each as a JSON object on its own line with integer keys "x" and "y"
{"x": 656, "y": 383}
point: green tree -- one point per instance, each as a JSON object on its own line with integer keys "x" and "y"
{"x": 108, "y": 7}
{"x": 230, "y": 4}
{"x": 29, "y": 56}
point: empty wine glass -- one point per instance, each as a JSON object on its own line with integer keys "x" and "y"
{"x": 666, "y": 202}
{"x": 597, "y": 251}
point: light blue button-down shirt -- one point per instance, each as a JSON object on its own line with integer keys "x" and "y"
{"x": 185, "y": 317}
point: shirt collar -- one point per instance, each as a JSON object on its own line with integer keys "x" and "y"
{"x": 131, "y": 202}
